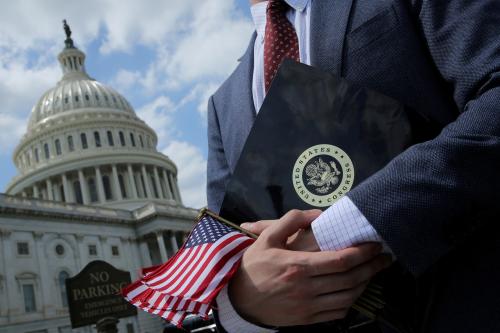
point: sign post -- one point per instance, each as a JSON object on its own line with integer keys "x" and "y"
{"x": 94, "y": 296}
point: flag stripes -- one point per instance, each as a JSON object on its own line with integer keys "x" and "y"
{"x": 189, "y": 281}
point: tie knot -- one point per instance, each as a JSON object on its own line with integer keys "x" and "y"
{"x": 277, "y": 6}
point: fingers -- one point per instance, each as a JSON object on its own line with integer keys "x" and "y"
{"x": 257, "y": 227}
{"x": 324, "y": 316}
{"x": 289, "y": 224}
{"x": 303, "y": 240}
{"x": 339, "y": 300}
{"x": 328, "y": 262}
{"x": 330, "y": 283}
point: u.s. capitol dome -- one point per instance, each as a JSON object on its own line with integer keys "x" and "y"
{"x": 85, "y": 144}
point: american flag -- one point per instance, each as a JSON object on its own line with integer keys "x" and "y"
{"x": 189, "y": 282}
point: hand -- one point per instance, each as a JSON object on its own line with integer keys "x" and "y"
{"x": 278, "y": 287}
{"x": 302, "y": 240}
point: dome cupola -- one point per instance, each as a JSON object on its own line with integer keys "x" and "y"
{"x": 71, "y": 59}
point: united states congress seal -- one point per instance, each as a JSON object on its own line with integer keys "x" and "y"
{"x": 322, "y": 174}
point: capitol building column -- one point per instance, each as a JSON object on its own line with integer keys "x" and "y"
{"x": 50, "y": 192}
{"x": 36, "y": 194}
{"x": 173, "y": 241}
{"x": 157, "y": 182}
{"x": 146, "y": 257}
{"x": 66, "y": 190}
{"x": 167, "y": 186}
{"x": 172, "y": 181}
{"x": 161, "y": 245}
{"x": 132, "y": 181}
{"x": 146, "y": 182}
{"x": 84, "y": 188}
{"x": 116, "y": 184}
{"x": 100, "y": 187}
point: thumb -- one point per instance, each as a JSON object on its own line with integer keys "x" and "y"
{"x": 257, "y": 227}
{"x": 289, "y": 224}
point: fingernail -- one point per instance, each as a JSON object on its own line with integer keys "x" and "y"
{"x": 246, "y": 225}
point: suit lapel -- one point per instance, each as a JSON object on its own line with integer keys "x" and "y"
{"x": 239, "y": 108}
{"x": 244, "y": 79}
{"x": 329, "y": 20}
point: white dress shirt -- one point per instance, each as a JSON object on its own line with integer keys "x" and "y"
{"x": 341, "y": 225}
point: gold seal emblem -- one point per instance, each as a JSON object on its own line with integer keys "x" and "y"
{"x": 322, "y": 174}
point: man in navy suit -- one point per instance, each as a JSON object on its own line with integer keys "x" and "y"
{"x": 434, "y": 207}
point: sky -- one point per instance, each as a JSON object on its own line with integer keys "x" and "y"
{"x": 165, "y": 56}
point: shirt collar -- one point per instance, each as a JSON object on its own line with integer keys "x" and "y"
{"x": 259, "y": 13}
{"x": 298, "y": 5}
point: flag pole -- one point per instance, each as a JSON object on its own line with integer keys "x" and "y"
{"x": 207, "y": 211}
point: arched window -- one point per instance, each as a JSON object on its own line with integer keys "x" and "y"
{"x": 122, "y": 185}
{"x": 46, "y": 151}
{"x": 62, "y": 286}
{"x": 132, "y": 139}
{"x": 97, "y": 139}
{"x": 107, "y": 187}
{"x": 78, "y": 192}
{"x": 58, "y": 147}
{"x": 92, "y": 190}
{"x": 83, "y": 138}
{"x": 110, "y": 138}
{"x": 37, "y": 156}
{"x": 122, "y": 138}
{"x": 71, "y": 145}
{"x": 141, "y": 141}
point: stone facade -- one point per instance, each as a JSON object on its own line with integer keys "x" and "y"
{"x": 42, "y": 242}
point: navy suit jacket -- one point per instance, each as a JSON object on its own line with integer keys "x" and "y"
{"x": 437, "y": 204}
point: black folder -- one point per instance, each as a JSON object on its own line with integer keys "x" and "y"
{"x": 305, "y": 110}
{"x": 315, "y": 137}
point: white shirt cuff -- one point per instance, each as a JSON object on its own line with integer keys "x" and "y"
{"x": 343, "y": 225}
{"x": 231, "y": 320}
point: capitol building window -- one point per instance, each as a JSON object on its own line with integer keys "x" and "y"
{"x": 92, "y": 250}
{"x": 59, "y": 250}
{"x": 83, "y": 138}
{"x": 29, "y": 298}
{"x": 62, "y": 287}
{"x": 23, "y": 248}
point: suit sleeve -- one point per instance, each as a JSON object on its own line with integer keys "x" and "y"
{"x": 217, "y": 168}
{"x": 430, "y": 198}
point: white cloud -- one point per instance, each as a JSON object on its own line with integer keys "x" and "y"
{"x": 11, "y": 130}
{"x": 125, "y": 79}
{"x": 21, "y": 86}
{"x": 159, "y": 115}
{"x": 206, "y": 91}
{"x": 216, "y": 39}
{"x": 205, "y": 45}
{"x": 192, "y": 175}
